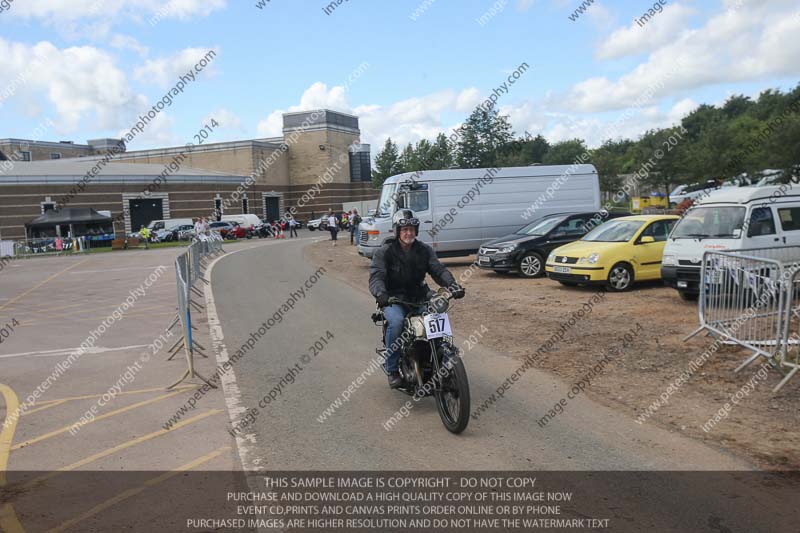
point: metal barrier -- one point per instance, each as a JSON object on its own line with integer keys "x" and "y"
{"x": 751, "y": 298}
{"x": 189, "y": 269}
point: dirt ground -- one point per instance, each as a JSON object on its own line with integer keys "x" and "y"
{"x": 763, "y": 426}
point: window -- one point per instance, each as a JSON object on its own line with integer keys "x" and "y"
{"x": 55, "y": 155}
{"x": 761, "y": 222}
{"x": 218, "y": 208}
{"x": 48, "y": 206}
{"x": 573, "y": 227}
{"x": 658, "y": 230}
{"x": 418, "y": 200}
{"x": 790, "y": 218}
{"x": 26, "y": 156}
{"x": 245, "y": 206}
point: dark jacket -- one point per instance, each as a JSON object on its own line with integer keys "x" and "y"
{"x": 402, "y": 274}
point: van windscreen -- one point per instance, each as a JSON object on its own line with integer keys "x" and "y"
{"x": 710, "y": 222}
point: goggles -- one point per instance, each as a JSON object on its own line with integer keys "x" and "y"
{"x": 407, "y": 222}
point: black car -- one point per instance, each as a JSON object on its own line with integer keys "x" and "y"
{"x": 525, "y": 250}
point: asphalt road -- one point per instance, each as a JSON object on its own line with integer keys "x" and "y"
{"x": 250, "y": 286}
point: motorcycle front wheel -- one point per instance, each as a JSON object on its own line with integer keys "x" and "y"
{"x": 452, "y": 398}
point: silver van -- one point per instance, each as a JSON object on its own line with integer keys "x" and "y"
{"x": 463, "y": 208}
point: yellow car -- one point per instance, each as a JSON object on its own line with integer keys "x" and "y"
{"x": 615, "y": 253}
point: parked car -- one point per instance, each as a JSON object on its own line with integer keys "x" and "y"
{"x": 525, "y": 250}
{"x": 221, "y": 227}
{"x": 236, "y": 232}
{"x": 615, "y": 254}
{"x": 318, "y": 224}
{"x": 460, "y": 209}
{"x": 732, "y": 218}
{"x": 173, "y": 233}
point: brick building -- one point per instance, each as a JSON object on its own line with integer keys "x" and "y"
{"x": 316, "y": 165}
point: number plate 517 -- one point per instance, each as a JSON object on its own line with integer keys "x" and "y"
{"x": 437, "y": 325}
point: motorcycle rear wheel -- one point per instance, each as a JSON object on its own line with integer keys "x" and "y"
{"x": 452, "y": 400}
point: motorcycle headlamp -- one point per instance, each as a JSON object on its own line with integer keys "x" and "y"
{"x": 439, "y": 304}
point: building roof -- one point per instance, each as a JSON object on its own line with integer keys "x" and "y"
{"x": 61, "y": 171}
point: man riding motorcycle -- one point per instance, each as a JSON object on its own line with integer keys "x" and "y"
{"x": 398, "y": 270}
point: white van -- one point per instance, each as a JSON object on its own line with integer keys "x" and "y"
{"x": 156, "y": 225}
{"x": 461, "y": 209}
{"x": 731, "y": 218}
{"x": 243, "y": 220}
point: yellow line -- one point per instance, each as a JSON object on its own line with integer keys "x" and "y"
{"x": 7, "y": 432}
{"x": 101, "y": 417}
{"x": 9, "y": 521}
{"x": 130, "y": 493}
{"x": 48, "y": 406}
{"x": 121, "y": 447}
{"x": 87, "y": 397}
{"x": 54, "y": 276}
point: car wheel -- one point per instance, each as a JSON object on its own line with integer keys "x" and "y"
{"x": 311, "y": 229}
{"x": 687, "y": 296}
{"x": 531, "y": 265}
{"x": 620, "y": 278}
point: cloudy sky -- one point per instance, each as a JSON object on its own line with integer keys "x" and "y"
{"x": 408, "y": 69}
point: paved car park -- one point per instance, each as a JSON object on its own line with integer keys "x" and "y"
{"x": 83, "y": 349}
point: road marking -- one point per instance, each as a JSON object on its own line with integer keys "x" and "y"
{"x": 9, "y": 521}
{"x": 116, "y": 270}
{"x": 54, "y": 276}
{"x": 90, "y": 396}
{"x": 120, "y": 447}
{"x": 233, "y": 396}
{"x": 135, "y": 491}
{"x": 67, "y": 351}
{"x": 7, "y": 432}
{"x": 52, "y": 404}
{"x": 97, "y": 418}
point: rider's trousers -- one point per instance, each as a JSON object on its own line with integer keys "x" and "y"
{"x": 394, "y": 315}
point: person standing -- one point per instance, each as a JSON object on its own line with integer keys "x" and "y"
{"x": 355, "y": 220}
{"x": 145, "y": 234}
{"x": 333, "y": 227}
{"x": 204, "y": 226}
{"x": 292, "y": 226}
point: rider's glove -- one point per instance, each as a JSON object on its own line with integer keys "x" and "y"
{"x": 383, "y": 299}
{"x": 457, "y": 291}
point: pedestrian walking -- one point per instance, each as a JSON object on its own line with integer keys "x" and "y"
{"x": 333, "y": 227}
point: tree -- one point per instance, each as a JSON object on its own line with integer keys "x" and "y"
{"x": 387, "y": 163}
{"x": 611, "y": 159}
{"x": 408, "y": 160}
{"x": 483, "y": 136}
{"x": 440, "y": 155}
{"x": 523, "y": 152}
{"x": 566, "y": 153}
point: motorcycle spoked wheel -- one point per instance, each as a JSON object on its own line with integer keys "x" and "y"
{"x": 452, "y": 397}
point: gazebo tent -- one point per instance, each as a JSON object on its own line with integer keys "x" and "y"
{"x": 81, "y": 221}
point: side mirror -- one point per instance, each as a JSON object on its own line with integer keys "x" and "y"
{"x": 737, "y": 233}
{"x": 646, "y": 239}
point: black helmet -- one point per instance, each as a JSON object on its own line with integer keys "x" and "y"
{"x": 404, "y": 217}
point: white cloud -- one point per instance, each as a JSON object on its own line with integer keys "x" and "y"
{"x": 752, "y": 43}
{"x": 72, "y": 10}
{"x": 524, "y": 5}
{"x": 635, "y": 39}
{"x": 126, "y": 42}
{"x": 78, "y": 81}
{"x": 166, "y": 70}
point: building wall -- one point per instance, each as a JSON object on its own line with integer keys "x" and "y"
{"x": 42, "y": 153}
{"x": 20, "y": 204}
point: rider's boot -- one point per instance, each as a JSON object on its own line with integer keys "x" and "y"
{"x": 395, "y": 381}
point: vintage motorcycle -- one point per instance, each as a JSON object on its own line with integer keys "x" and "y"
{"x": 430, "y": 364}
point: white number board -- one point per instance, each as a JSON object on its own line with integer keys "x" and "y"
{"x": 437, "y": 325}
